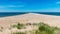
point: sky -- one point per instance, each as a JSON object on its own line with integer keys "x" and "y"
{"x": 29, "y": 5}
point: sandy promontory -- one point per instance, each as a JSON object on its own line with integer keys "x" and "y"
{"x": 30, "y": 18}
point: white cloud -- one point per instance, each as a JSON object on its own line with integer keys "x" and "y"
{"x": 11, "y": 6}
{"x": 2, "y": 7}
{"x": 57, "y": 2}
{"x": 15, "y": 6}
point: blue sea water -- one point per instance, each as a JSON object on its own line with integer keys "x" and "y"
{"x": 4, "y": 14}
{"x": 50, "y": 13}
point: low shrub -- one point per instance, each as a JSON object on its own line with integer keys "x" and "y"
{"x": 18, "y": 26}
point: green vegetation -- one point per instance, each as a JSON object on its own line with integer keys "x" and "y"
{"x": 1, "y": 29}
{"x": 18, "y": 26}
{"x": 42, "y": 29}
{"x": 46, "y": 29}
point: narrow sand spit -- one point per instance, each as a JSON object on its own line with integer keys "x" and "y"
{"x": 29, "y": 18}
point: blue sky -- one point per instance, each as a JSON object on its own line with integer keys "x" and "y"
{"x": 29, "y": 5}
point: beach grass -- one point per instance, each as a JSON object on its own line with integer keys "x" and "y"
{"x": 18, "y": 26}
{"x": 42, "y": 29}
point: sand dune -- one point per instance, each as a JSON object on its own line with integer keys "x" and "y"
{"x": 30, "y": 18}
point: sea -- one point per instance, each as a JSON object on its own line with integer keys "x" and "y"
{"x": 4, "y": 14}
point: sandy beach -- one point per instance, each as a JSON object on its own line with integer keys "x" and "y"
{"x": 30, "y": 18}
